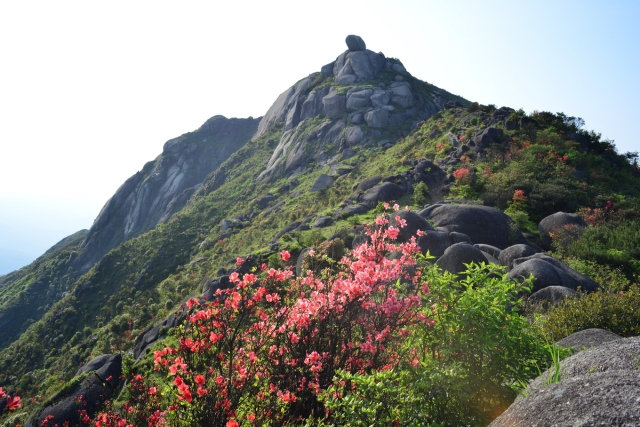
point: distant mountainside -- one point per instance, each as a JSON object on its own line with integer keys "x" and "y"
{"x": 332, "y": 146}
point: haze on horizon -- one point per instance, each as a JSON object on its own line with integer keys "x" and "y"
{"x": 90, "y": 92}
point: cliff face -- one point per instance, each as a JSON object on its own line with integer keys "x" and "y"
{"x": 164, "y": 185}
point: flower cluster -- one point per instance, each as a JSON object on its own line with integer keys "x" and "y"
{"x": 263, "y": 350}
{"x": 13, "y": 402}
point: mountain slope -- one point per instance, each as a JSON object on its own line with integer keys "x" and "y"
{"x": 340, "y": 128}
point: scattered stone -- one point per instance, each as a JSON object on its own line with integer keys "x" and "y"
{"x": 457, "y": 255}
{"x": 334, "y": 105}
{"x": 322, "y": 221}
{"x": 548, "y": 271}
{"x": 511, "y": 253}
{"x": 491, "y": 250}
{"x": 481, "y": 223}
{"x": 551, "y": 296}
{"x": 435, "y": 242}
{"x": 322, "y": 182}
{"x": 459, "y": 238}
{"x": 385, "y": 192}
{"x": 555, "y": 221}
{"x": 414, "y": 222}
{"x": 353, "y": 135}
{"x": 369, "y": 183}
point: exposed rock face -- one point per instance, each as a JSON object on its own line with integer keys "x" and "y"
{"x": 599, "y": 386}
{"x": 90, "y": 395}
{"x": 164, "y": 185}
{"x": 457, "y": 255}
{"x": 315, "y": 116}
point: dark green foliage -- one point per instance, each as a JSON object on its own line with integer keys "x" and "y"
{"x": 618, "y": 312}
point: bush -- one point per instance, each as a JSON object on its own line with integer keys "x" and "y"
{"x": 468, "y": 367}
{"x": 615, "y": 312}
{"x": 420, "y": 194}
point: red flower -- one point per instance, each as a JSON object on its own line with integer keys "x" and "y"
{"x": 13, "y": 403}
{"x": 285, "y": 255}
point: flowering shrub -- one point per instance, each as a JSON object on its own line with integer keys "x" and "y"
{"x": 12, "y": 402}
{"x": 261, "y": 352}
{"x": 461, "y": 174}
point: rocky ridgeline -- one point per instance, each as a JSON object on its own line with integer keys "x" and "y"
{"x": 360, "y": 99}
{"x": 164, "y": 185}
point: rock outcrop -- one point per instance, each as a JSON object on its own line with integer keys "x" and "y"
{"x": 164, "y": 185}
{"x": 323, "y": 119}
{"x": 598, "y": 386}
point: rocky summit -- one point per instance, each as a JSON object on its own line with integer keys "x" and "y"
{"x": 368, "y": 220}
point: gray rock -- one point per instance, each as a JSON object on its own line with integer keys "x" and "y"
{"x": 486, "y": 137}
{"x": 456, "y": 255}
{"x": 586, "y": 338}
{"x": 359, "y": 240}
{"x": 163, "y": 186}
{"x": 107, "y": 361}
{"x": 93, "y": 392}
{"x": 481, "y": 223}
{"x": 557, "y": 220}
{"x": 436, "y": 242}
{"x": 293, "y": 115}
{"x": 491, "y": 250}
{"x": 379, "y": 98}
{"x": 459, "y": 238}
{"x": 385, "y": 192}
{"x": 358, "y": 100}
{"x": 353, "y": 135}
{"x": 585, "y": 283}
{"x": 334, "y": 105}
{"x": 361, "y": 65}
{"x": 357, "y": 118}
{"x": 322, "y": 221}
{"x": 263, "y": 202}
{"x": 322, "y": 182}
{"x": 399, "y": 68}
{"x": 312, "y": 106}
{"x": 414, "y": 222}
{"x": 368, "y": 183}
{"x": 490, "y": 259}
{"x": 546, "y": 274}
{"x": 355, "y": 43}
{"x": 513, "y": 252}
{"x": 350, "y": 210}
{"x": 377, "y": 118}
{"x": 327, "y": 70}
{"x": 599, "y": 399}
{"x": 401, "y": 94}
{"x": 551, "y": 296}
{"x": 300, "y": 261}
{"x": 611, "y": 355}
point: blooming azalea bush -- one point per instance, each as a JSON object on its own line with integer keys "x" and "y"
{"x": 12, "y": 402}
{"x": 263, "y": 351}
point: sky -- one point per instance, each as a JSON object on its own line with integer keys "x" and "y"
{"x": 90, "y": 91}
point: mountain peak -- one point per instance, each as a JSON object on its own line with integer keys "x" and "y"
{"x": 355, "y": 43}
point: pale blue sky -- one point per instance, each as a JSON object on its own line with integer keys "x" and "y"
{"x": 90, "y": 91}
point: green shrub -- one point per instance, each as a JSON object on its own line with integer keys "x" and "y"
{"x": 615, "y": 312}
{"x": 420, "y": 194}
{"x": 471, "y": 363}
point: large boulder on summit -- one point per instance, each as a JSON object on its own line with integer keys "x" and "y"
{"x": 548, "y": 271}
{"x": 556, "y": 221}
{"x": 106, "y": 365}
{"x": 456, "y": 256}
{"x": 355, "y": 43}
{"x": 481, "y": 223}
